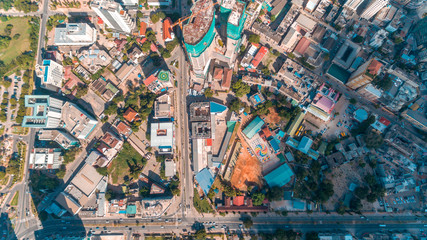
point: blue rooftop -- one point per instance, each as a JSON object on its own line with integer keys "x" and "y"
{"x": 275, "y": 144}
{"x": 253, "y": 128}
{"x": 280, "y": 176}
{"x": 205, "y": 179}
{"x": 217, "y": 108}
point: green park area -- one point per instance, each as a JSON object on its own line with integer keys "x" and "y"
{"x": 15, "y": 41}
{"x": 14, "y": 201}
{"x": 128, "y": 164}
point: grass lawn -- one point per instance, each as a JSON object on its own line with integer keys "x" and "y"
{"x": 128, "y": 161}
{"x": 22, "y": 44}
{"x": 20, "y": 130}
{"x": 14, "y": 201}
{"x": 202, "y": 206}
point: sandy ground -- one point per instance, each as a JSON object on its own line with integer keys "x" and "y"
{"x": 342, "y": 177}
{"x": 273, "y": 117}
{"x": 247, "y": 169}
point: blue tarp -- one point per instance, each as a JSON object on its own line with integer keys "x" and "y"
{"x": 205, "y": 179}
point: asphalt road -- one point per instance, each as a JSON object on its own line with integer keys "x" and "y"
{"x": 355, "y": 224}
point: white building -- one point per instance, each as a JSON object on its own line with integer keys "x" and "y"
{"x": 75, "y": 34}
{"x": 113, "y": 15}
{"x": 373, "y": 8}
{"x": 51, "y": 74}
{"x": 45, "y": 158}
{"x": 162, "y": 137}
{"x": 158, "y": 3}
{"x": 378, "y": 39}
{"x": 353, "y": 4}
{"x": 130, "y": 2}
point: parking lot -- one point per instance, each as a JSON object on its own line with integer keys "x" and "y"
{"x": 408, "y": 200}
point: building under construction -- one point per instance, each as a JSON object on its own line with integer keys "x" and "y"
{"x": 202, "y": 40}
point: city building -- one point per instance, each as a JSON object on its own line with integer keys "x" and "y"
{"x": 353, "y": 4}
{"x": 258, "y": 57}
{"x": 323, "y": 103}
{"x": 205, "y": 178}
{"x": 170, "y": 168}
{"x": 235, "y": 9}
{"x": 81, "y": 189}
{"x": 45, "y": 158}
{"x": 198, "y": 34}
{"x": 130, "y": 2}
{"x": 280, "y": 176}
{"x": 122, "y": 129}
{"x": 295, "y": 125}
{"x": 163, "y": 107}
{"x": 370, "y": 92}
{"x": 253, "y": 128}
{"x": 256, "y": 99}
{"x": 64, "y": 139}
{"x": 364, "y": 74}
{"x": 373, "y": 7}
{"x": 346, "y": 54}
{"x": 51, "y": 74}
{"x": 168, "y": 34}
{"x": 131, "y": 115}
{"x": 417, "y": 118}
{"x": 303, "y": 146}
{"x": 162, "y": 137}
{"x": 159, "y": 81}
{"x": 113, "y": 15}
{"x": 49, "y": 112}
{"x": 158, "y": 3}
{"x": 74, "y": 34}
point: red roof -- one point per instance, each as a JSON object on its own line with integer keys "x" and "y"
{"x": 226, "y": 79}
{"x": 384, "y": 121}
{"x": 218, "y": 72}
{"x": 267, "y": 132}
{"x": 130, "y": 115}
{"x": 238, "y": 201}
{"x": 374, "y": 67}
{"x": 209, "y": 142}
{"x": 141, "y": 40}
{"x": 149, "y": 80}
{"x": 167, "y": 29}
{"x": 100, "y": 21}
{"x": 142, "y": 28}
{"x": 259, "y": 56}
{"x": 123, "y": 128}
{"x": 302, "y": 45}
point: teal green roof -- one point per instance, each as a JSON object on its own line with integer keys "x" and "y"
{"x": 131, "y": 210}
{"x": 230, "y": 126}
{"x": 197, "y": 49}
{"x": 339, "y": 73}
{"x": 280, "y": 176}
{"x": 253, "y": 128}
{"x": 217, "y": 108}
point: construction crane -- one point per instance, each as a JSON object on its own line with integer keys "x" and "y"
{"x": 180, "y": 21}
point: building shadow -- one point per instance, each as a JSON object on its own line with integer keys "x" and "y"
{"x": 6, "y": 227}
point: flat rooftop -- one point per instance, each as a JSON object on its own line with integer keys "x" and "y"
{"x": 77, "y": 121}
{"x": 87, "y": 179}
{"x": 236, "y": 13}
{"x": 200, "y": 21}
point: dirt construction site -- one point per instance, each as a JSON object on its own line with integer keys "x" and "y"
{"x": 247, "y": 170}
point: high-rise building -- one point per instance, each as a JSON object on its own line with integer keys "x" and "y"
{"x": 75, "y": 34}
{"x": 374, "y": 6}
{"x": 49, "y": 112}
{"x": 113, "y": 15}
{"x": 364, "y": 74}
{"x": 198, "y": 34}
{"x": 235, "y": 10}
{"x": 51, "y": 74}
{"x": 353, "y": 4}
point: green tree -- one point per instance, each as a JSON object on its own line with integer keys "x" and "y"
{"x": 258, "y": 198}
{"x": 353, "y": 101}
{"x": 361, "y": 192}
{"x": 235, "y": 105}
{"x": 200, "y": 234}
{"x": 154, "y": 17}
{"x": 312, "y": 236}
{"x": 240, "y": 88}
{"x": 253, "y": 38}
{"x": 208, "y": 93}
{"x": 111, "y": 109}
{"x": 358, "y": 39}
{"x": 144, "y": 192}
{"x": 139, "y": 14}
{"x": 247, "y": 222}
{"x": 146, "y": 47}
{"x": 81, "y": 90}
{"x": 355, "y": 204}
{"x": 102, "y": 170}
{"x": 275, "y": 193}
{"x": 373, "y": 139}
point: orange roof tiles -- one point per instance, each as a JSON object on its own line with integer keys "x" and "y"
{"x": 238, "y": 201}
{"x": 374, "y": 67}
{"x": 167, "y": 29}
{"x": 150, "y": 79}
{"x": 142, "y": 28}
{"x": 226, "y": 79}
{"x": 259, "y": 56}
{"x": 209, "y": 142}
{"x": 267, "y": 132}
{"x": 218, "y": 72}
{"x": 123, "y": 128}
{"x": 130, "y": 115}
